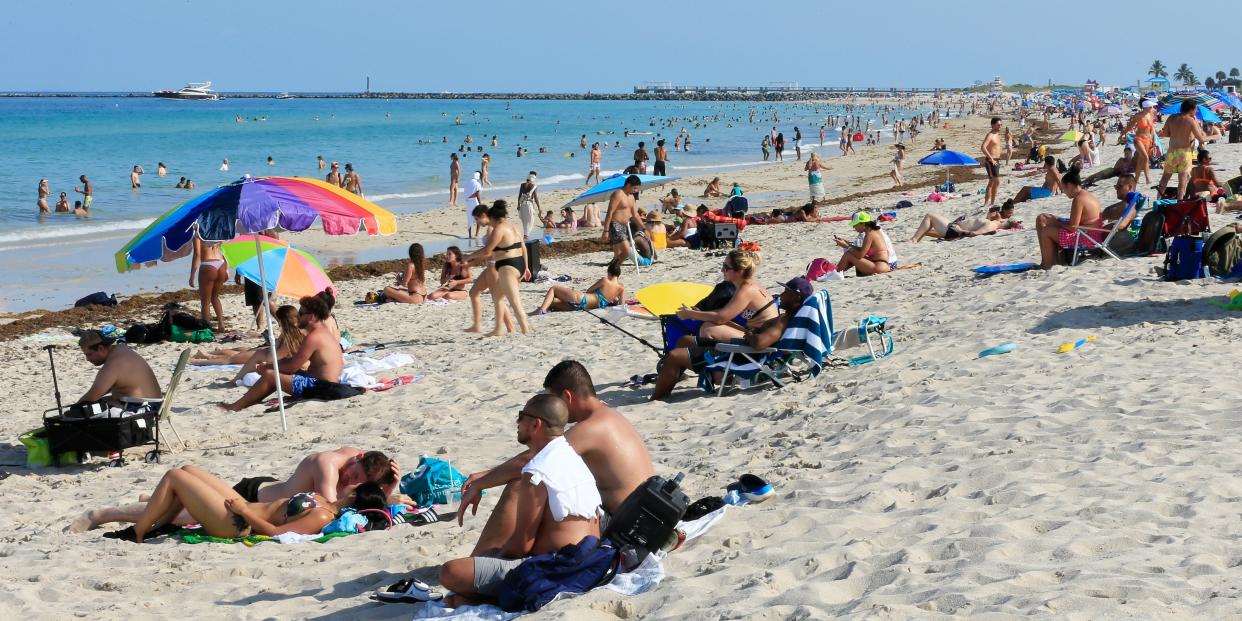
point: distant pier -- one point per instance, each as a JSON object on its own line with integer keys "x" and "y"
{"x": 781, "y": 91}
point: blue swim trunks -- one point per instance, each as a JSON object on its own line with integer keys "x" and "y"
{"x": 300, "y": 382}
{"x": 1040, "y": 192}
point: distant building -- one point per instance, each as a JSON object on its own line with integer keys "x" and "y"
{"x": 998, "y": 85}
{"x": 1090, "y": 87}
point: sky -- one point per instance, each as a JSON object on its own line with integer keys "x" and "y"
{"x": 583, "y": 45}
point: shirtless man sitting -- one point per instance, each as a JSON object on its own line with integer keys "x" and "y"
{"x": 320, "y": 348}
{"x": 1182, "y": 130}
{"x": 1051, "y": 186}
{"x": 609, "y": 444}
{"x": 123, "y": 373}
{"x": 331, "y": 474}
{"x": 556, "y": 504}
{"x": 1055, "y": 234}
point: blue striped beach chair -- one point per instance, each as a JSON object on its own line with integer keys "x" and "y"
{"x": 801, "y": 351}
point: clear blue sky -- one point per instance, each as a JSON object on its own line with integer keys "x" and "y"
{"x": 564, "y": 46}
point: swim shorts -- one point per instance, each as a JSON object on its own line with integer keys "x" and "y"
{"x": 303, "y": 385}
{"x": 248, "y": 488}
{"x": 992, "y": 168}
{"x": 86, "y": 202}
{"x": 1040, "y": 192}
{"x": 1066, "y": 237}
{"x": 489, "y": 573}
{"x": 1179, "y": 161}
{"x": 616, "y": 233}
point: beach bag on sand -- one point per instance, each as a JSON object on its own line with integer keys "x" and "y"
{"x": 1184, "y": 261}
{"x": 434, "y": 482}
{"x": 97, "y": 298}
{"x": 1151, "y": 233}
{"x": 1222, "y": 253}
{"x": 177, "y": 334}
{"x": 819, "y": 268}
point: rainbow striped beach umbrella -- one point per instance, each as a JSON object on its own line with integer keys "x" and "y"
{"x": 287, "y": 270}
{"x": 253, "y": 205}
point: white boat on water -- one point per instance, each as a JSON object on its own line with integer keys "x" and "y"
{"x": 193, "y": 90}
{"x": 284, "y": 96}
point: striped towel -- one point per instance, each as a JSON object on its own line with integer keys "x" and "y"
{"x": 809, "y": 332}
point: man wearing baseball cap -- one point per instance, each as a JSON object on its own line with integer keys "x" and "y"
{"x": 123, "y": 372}
{"x": 793, "y": 294}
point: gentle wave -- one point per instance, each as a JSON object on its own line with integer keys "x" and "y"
{"x": 550, "y": 180}
{"x": 73, "y": 230}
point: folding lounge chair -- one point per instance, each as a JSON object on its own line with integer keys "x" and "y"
{"x": 805, "y": 340}
{"x": 165, "y": 414}
{"x": 1084, "y": 243}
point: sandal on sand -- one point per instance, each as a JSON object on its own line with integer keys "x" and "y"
{"x": 408, "y": 590}
{"x": 752, "y": 488}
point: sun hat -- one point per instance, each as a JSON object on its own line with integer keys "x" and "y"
{"x": 654, "y": 217}
{"x": 861, "y": 217}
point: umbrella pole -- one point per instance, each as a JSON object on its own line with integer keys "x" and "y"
{"x": 271, "y": 336}
{"x": 633, "y": 248}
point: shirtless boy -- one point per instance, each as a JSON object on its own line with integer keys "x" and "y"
{"x": 320, "y": 348}
{"x": 594, "y": 170}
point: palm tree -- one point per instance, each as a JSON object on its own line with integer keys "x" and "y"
{"x": 1220, "y": 76}
{"x": 1233, "y": 73}
{"x": 1190, "y": 79}
{"x": 1183, "y": 72}
{"x": 1158, "y": 70}
{"x": 1209, "y": 83}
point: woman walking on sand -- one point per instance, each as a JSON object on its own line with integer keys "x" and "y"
{"x": 505, "y": 255}
{"x": 814, "y": 177}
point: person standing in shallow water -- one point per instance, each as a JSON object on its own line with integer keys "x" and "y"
{"x": 44, "y": 192}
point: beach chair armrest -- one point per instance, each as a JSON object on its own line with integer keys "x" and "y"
{"x": 1091, "y": 228}
{"x": 737, "y": 348}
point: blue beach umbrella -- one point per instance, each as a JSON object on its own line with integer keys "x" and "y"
{"x": 948, "y": 158}
{"x": 1203, "y": 112}
{"x": 604, "y": 189}
{"x": 1229, "y": 98}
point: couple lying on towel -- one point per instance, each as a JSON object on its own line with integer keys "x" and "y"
{"x": 321, "y": 485}
{"x": 555, "y": 492}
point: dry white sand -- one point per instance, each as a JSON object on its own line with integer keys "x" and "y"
{"x": 1095, "y": 484}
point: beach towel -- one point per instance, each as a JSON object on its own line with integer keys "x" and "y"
{"x": 645, "y": 577}
{"x": 350, "y": 523}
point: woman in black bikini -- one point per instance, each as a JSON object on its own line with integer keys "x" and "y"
{"x": 454, "y": 277}
{"x": 505, "y": 253}
{"x": 413, "y": 281}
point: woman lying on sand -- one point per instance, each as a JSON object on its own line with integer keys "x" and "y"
{"x": 750, "y": 301}
{"x": 412, "y": 284}
{"x": 289, "y": 341}
{"x": 223, "y": 513}
{"x": 454, "y": 278}
{"x": 607, "y": 291}
{"x": 871, "y": 252}
{"x": 939, "y": 227}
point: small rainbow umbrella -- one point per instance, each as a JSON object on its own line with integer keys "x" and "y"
{"x": 288, "y": 271}
{"x": 253, "y": 205}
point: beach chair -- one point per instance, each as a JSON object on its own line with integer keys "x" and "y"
{"x": 1085, "y": 245}
{"x": 165, "y": 413}
{"x": 801, "y": 351}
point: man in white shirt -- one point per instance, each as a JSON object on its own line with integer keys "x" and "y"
{"x": 474, "y": 196}
{"x": 558, "y": 505}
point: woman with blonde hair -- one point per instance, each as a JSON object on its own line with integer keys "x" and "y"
{"x": 750, "y": 302}
{"x": 814, "y": 178}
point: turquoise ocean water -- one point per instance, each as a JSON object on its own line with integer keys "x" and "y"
{"x": 49, "y": 261}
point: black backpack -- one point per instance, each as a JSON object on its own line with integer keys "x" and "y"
{"x": 1151, "y": 234}
{"x": 1222, "y": 252}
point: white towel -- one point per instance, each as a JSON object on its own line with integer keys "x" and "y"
{"x": 571, "y": 487}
